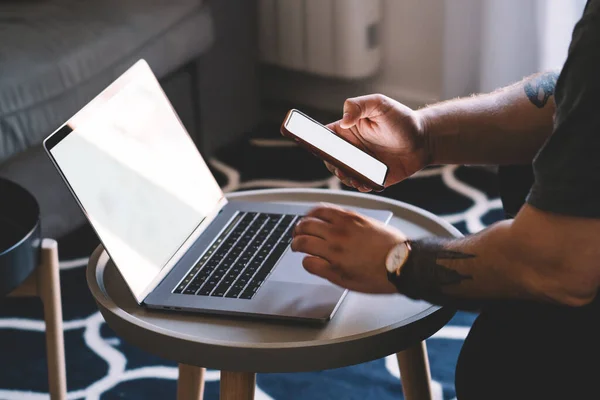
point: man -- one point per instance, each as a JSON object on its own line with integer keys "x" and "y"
{"x": 534, "y": 278}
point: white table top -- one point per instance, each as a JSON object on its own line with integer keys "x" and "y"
{"x": 365, "y": 327}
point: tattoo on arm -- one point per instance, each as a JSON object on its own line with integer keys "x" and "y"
{"x": 424, "y": 277}
{"x": 540, "y": 88}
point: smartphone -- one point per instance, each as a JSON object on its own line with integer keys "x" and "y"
{"x": 327, "y": 145}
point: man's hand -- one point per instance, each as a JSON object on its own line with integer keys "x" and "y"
{"x": 346, "y": 248}
{"x": 386, "y": 129}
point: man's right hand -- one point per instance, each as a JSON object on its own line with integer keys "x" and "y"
{"x": 386, "y": 129}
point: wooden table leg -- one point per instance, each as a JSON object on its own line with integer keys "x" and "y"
{"x": 190, "y": 385}
{"x": 48, "y": 286}
{"x": 237, "y": 385}
{"x": 414, "y": 372}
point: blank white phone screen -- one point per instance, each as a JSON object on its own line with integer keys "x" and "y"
{"x": 328, "y": 142}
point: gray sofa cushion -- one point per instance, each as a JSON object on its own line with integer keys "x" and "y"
{"x": 56, "y": 55}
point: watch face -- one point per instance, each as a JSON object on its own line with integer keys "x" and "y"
{"x": 396, "y": 257}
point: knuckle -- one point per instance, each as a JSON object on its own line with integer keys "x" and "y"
{"x": 348, "y": 216}
{"x": 385, "y": 105}
{"x": 308, "y": 225}
{"x": 317, "y": 212}
{"x": 352, "y": 103}
{"x": 297, "y": 230}
{"x": 300, "y": 242}
{"x": 379, "y": 97}
{"x": 340, "y": 231}
{"x": 354, "y": 216}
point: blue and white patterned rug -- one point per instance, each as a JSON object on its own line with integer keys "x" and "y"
{"x": 102, "y": 366}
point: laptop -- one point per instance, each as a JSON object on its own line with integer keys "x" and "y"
{"x": 174, "y": 237}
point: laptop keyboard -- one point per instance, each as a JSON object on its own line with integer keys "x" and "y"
{"x": 241, "y": 258}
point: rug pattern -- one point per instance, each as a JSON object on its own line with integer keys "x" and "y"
{"x": 102, "y": 366}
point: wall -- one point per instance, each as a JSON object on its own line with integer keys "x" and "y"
{"x": 412, "y": 50}
{"x": 411, "y": 70}
{"x": 440, "y": 49}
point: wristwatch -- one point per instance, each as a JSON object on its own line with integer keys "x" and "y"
{"x": 396, "y": 259}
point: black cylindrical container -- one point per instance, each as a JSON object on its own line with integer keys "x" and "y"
{"x": 19, "y": 235}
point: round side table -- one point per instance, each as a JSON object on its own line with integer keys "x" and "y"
{"x": 365, "y": 328}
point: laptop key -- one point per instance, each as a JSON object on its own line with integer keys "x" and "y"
{"x": 200, "y": 279}
{"x": 276, "y": 254}
{"x": 255, "y": 284}
{"x": 235, "y": 291}
{"x": 191, "y": 289}
{"x": 287, "y": 237}
{"x": 179, "y": 289}
{"x": 288, "y": 219}
{"x": 206, "y": 289}
{"x": 251, "y": 289}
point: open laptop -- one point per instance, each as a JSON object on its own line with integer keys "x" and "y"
{"x": 177, "y": 241}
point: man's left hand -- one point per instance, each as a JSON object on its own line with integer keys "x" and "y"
{"x": 346, "y": 248}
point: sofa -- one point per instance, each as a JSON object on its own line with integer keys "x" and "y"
{"x": 56, "y": 55}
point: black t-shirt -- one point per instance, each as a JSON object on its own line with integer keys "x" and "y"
{"x": 567, "y": 168}
{"x": 525, "y": 350}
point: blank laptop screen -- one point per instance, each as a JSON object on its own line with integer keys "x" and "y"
{"x": 137, "y": 175}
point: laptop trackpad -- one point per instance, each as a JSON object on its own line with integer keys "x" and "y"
{"x": 290, "y": 269}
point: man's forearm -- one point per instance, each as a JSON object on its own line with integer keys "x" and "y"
{"x": 507, "y": 126}
{"x": 522, "y": 259}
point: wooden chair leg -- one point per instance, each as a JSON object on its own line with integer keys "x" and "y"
{"x": 48, "y": 286}
{"x": 237, "y": 385}
{"x": 414, "y": 372}
{"x": 190, "y": 385}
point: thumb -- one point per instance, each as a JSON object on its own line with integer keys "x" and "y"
{"x": 352, "y": 113}
{"x": 357, "y": 108}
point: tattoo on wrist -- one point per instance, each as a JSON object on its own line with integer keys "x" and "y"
{"x": 424, "y": 276}
{"x": 540, "y": 88}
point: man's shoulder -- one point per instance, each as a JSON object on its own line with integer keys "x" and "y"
{"x": 592, "y": 6}
{"x": 591, "y": 10}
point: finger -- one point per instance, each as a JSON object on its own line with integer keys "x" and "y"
{"x": 330, "y": 167}
{"x": 317, "y": 266}
{"x": 346, "y": 134}
{"x": 341, "y": 175}
{"x": 347, "y": 182}
{"x": 327, "y": 212}
{"x": 356, "y": 184}
{"x": 322, "y": 268}
{"x": 335, "y": 126}
{"x": 312, "y": 227}
{"x": 336, "y": 171}
{"x": 370, "y": 106}
{"x": 311, "y": 245}
{"x": 359, "y": 186}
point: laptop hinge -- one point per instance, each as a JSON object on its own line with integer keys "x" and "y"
{"x": 185, "y": 247}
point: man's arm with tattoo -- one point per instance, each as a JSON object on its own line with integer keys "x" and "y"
{"x": 507, "y": 126}
{"x": 537, "y": 256}
{"x": 540, "y": 88}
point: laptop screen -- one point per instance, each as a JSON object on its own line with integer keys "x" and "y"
{"x": 136, "y": 174}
